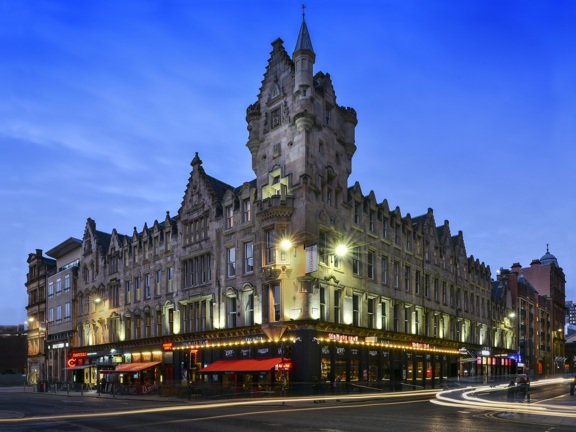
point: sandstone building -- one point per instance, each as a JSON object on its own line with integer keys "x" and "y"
{"x": 293, "y": 277}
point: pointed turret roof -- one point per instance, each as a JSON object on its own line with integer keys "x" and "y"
{"x": 303, "y": 43}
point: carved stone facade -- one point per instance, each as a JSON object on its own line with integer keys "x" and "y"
{"x": 260, "y": 264}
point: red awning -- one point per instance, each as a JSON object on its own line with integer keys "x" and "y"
{"x": 132, "y": 367}
{"x": 248, "y": 365}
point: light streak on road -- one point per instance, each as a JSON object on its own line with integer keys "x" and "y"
{"x": 471, "y": 398}
{"x": 228, "y": 404}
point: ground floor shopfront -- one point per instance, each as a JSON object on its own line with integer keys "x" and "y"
{"x": 296, "y": 359}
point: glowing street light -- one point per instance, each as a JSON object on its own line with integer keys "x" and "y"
{"x": 341, "y": 250}
{"x": 285, "y": 244}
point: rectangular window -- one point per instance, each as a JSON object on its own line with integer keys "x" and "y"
{"x": 397, "y": 318}
{"x": 248, "y": 257}
{"x": 51, "y": 290}
{"x": 114, "y": 295}
{"x": 357, "y": 208}
{"x": 275, "y": 303}
{"x": 230, "y": 312}
{"x": 128, "y": 328}
{"x": 416, "y": 322}
{"x": 158, "y": 283}
{"x": 170, "y": 276}
{"x": 159, "y": 323}
{"x": 51, "y": 315}
{"x": 66, "y": 283}
{"x": 427, "y": 286}
{"x": 148, "y": 328}
{"x": 385, "y": 228}
{"x": 444, "y": 293}
{"x": 138, "y": 327}
{"x": 323, "y": 305}
{"x": 356, "y": 310}
{"x": 384, "y": 275}
{"x": 246, "y": 211}
{"x": 205, "y": 269}
{"x": 147, "y": 286}
{"x": 58, "y": 286}
{"x": 396, "y": 274}
{"x": 337, "y": 296}
{"x": 384, "y": 306}
{"x": 168, "y": 241}
{"x": 59, "y": 313}
{"x": 372, "y": 221}
{"x": 67, "y": 312}
{"x": 417, "y": 282}
{"x": 407, "y": 314}
{"x": 270, "y": 247}
{"x": 436, "y": 289}
{"x": 137, "y": 287}
{"x": 370, "y": 264}
{"x": 197, "y": 270}
{"x": 407, "y": 278}
{"x": 231, "y": 261}
{"x": 229, "y": 216}
{"x": 249, "y": 308}
{"x": 356, "y": 261}
{"x": 371, "y": 314}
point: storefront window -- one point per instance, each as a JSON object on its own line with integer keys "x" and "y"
{"x": 385, "y": 366}
{"x": 325, "y": 366}
{"x": 410, "y": 370}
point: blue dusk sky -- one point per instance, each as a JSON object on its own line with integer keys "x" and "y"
{"x": 467, "y": 107}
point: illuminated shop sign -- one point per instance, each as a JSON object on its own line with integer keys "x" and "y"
{"x": 420, "y": 345}
{"x": 342, "y": 338}
{"x": 79, "y": 354}
{"x": 167, "y": 346}
{"x": 286, "y": 366}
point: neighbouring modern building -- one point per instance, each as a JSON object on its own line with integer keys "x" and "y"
{"x": 292, "y": 278}
{"x": 59, "y": 308}
{"x": 570, "y": 311}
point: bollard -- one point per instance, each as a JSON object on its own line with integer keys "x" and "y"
{"x": 572, "y": 388}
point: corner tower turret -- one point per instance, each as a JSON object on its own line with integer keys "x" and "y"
{"x": 304, "y": 59}
{"x": 302, "y": 142}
